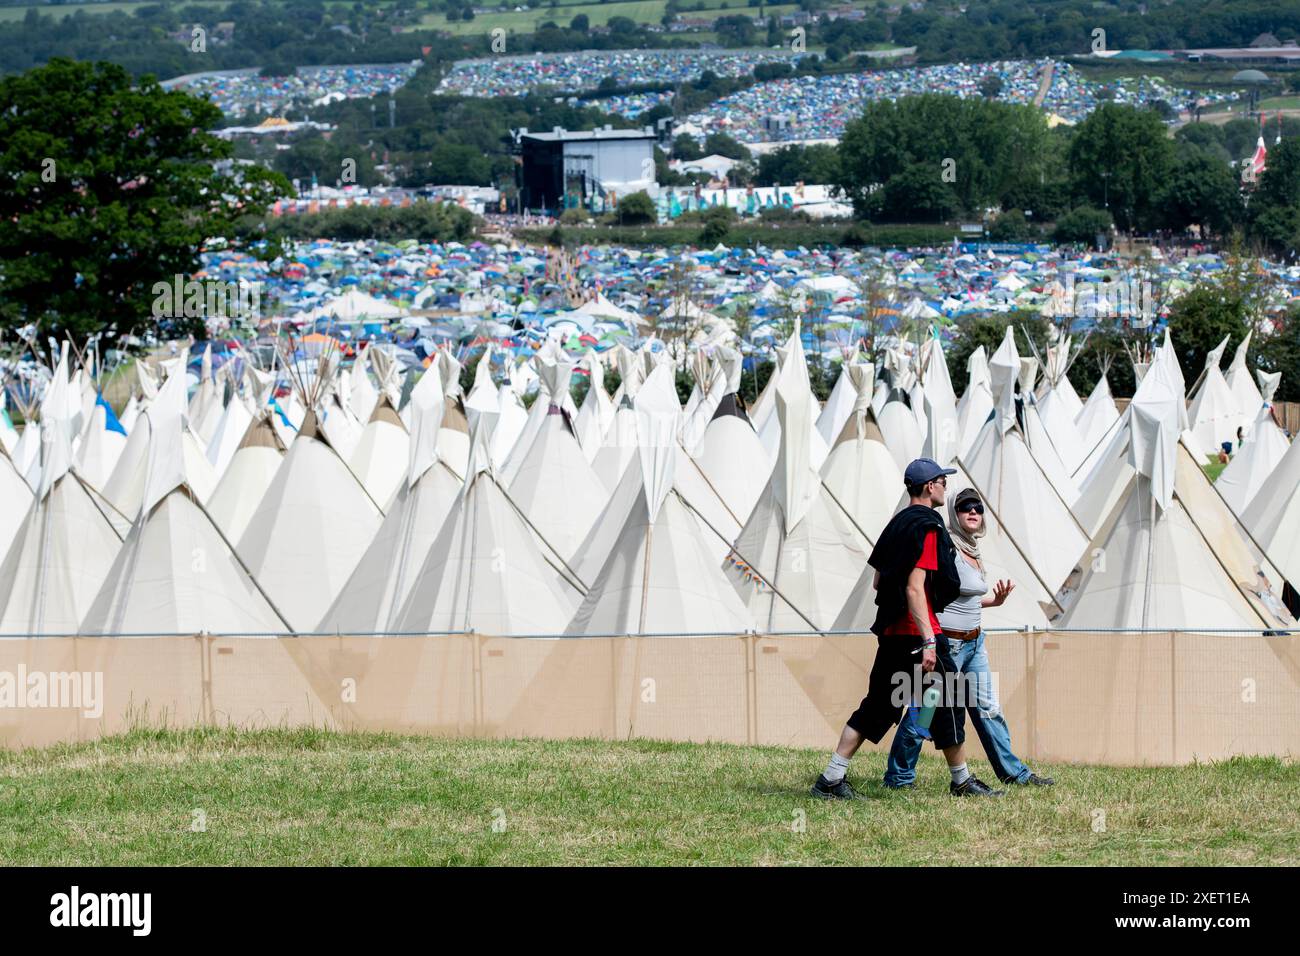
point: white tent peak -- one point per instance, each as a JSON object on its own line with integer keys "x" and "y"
{"x": 1004, "y": 369}
{"x": 657, "y": 414}
{"x": 426, "y": 404}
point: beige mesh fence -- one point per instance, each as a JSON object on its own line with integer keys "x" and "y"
{"x": 1116, "y": 698}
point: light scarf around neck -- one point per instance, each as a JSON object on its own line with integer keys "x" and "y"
{"x": 966, "y": 542}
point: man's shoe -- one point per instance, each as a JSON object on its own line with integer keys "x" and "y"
{"x": 972, "y": 787}
{"x": 1036, "y": 781}
{"x": 823, "y": 789}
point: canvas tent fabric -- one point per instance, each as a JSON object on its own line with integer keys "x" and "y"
{"x": 1273, "y": 516}
{"x": 60, "y": 555}
{"x": 1009, "y": 477}
{"x": 175, "y": 573}
{"x": 386, "y": 573}
{"x": 1241, "y": 382}
{"x": 554, "y": 484}
{"x": 380, "y": 458}
{"x": 798, "y": 555}
{"x": 309, "y": 530}
{"x": 248, "y": 476}
{"x": 484, "y": 571}
{"x": 1254, "y": 462}
{"x": 659, "y": 576}
{"x": 1213, "y": 413}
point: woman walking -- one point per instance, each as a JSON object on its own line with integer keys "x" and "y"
{"x": 963, "y": 630}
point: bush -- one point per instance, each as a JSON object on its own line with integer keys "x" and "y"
{"x": 575, "y": 216}
{"x": 1010, "y": 226}
{"x": 1082, "y": 224}
{"x": 422, "y": 221}
{"x": 636, "y": 209}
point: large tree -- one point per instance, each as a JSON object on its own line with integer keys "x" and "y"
{"x": 1201, "y": 189}
{"x": 1274, "y": 203}
{"x": 1119, "y": 160}
{"x": 107, "y": 187}
{"x": 979, "y": 151}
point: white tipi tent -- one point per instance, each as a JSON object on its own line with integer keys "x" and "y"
{"x": 1213, "y": 414}
{"x": 175, "y": 573}
{"x": 1153, "y": 566}
{"x": 554, "y": 485}
{"x": 387, "y": 571}
{"x": 484, "y": 571}
{"x": 61, "y": 554}
{"x": 1010, "y": 478}
{"x": 251, "y": 470}
{"x": 314, "y": 522}
{"x": 798, "y": 556}
{"x": 659, "y": 576}
{"x": 1264, "y": 447}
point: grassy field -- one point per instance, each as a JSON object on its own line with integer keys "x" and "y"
{"x": 598, "y": 14}
{"x": 114, "y": 6}
{"x": 308, "y": 797}
{"x": 1213, "y": 468}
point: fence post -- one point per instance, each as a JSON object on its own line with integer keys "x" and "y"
{"x": 751, "y": 688}
{"x": 1031, "y": 680}
{"x": 1173, "y": 697}
{"x": 478, "y": 683}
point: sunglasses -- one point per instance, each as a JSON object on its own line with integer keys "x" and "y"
{"x": 941, "y": 480}
{"x": 969, "y": 506}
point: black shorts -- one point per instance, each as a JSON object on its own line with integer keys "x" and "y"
{"x": 889, "y": 688}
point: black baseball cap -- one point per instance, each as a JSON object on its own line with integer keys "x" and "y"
{"x": 924, "y": 470}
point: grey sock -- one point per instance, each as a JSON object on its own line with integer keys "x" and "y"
{"x": 836, "y": 769}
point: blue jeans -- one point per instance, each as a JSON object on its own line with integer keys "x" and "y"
{"x": 973, "y": 660}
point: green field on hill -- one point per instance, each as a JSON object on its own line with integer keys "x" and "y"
{"x": 598, "y": 14}
{"x": 304, "y": 797}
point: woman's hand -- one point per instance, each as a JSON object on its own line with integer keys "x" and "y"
{"x": 1000, "y": 591}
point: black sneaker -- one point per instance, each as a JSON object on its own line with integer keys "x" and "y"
{"x": 1034, "y": 780}
{"x": 823, "y": 789}
{"x": 972, "y": 787}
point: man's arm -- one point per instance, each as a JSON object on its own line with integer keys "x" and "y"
{"x": 918, "y": 605}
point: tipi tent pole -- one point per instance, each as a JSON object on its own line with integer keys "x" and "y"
{"x": 772, "y": 587}
{"x": 257, "y": 584}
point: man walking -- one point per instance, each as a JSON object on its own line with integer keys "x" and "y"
{"x": 916, "y": 577}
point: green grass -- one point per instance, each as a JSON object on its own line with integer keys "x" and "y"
{"x": 115, "y": 6}
{"x": 1213, "y": 468}
{"x": 598, "y": 14}
{"x": 1280, "y": 103}
{"x": 310, "y": 797}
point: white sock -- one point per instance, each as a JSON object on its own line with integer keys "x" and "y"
{"x": 959, "y": 774}
{"x": 836, "y": 769}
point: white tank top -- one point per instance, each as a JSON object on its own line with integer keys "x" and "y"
{"x": 964, "y": 613}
